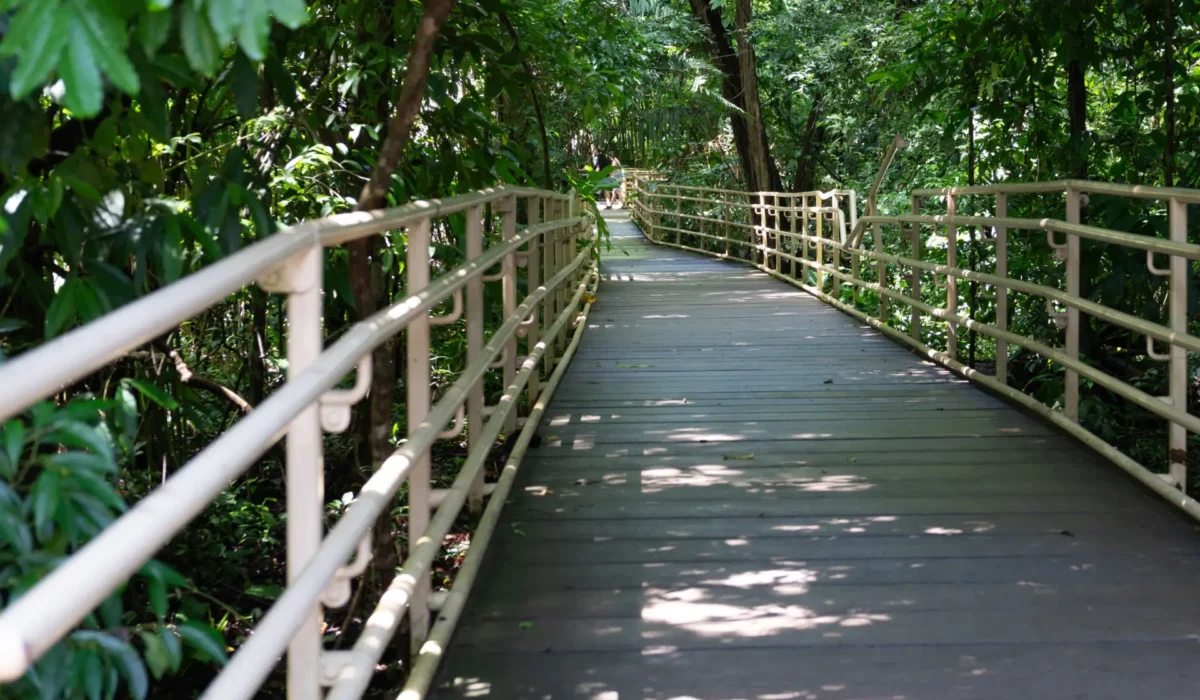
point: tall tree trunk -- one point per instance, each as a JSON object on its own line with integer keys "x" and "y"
{"x": 1169, "y": 92}
{"x": 749, "y": 76}
{"x": 366, "y": 272}
{"x": 726, "y": 60}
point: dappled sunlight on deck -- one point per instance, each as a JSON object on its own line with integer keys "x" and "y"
{"x": 743, "y": 494}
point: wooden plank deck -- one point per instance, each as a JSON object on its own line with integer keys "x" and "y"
{"x": 743, "y": 493}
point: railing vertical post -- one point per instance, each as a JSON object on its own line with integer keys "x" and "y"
{"x": 880, "y": 270}
{"x": 951, "y": 280}
{"x": 804, "y": 229}
{"x": 533, "y": 264}
{"x": 1071, "y": 403}
{"x": 793, "y": 248}
{"x": 761, "y": 240}
{"x": 550, "y": 246}
{"x": 678, "y": 217}
{"x": 914, "y": 275}
{"x": 568, "y": 254}
{"x": 1001, "y": 233}
{"x": 475, "y": 313}
{"x": 778, "y": 238}
{"x": 417, "y": 390}
{"x": 820, "y": 234}
{"x": 508, "y": 294}
{"x": 305, "y": 468}
{"x": 725, "y": 221}
{"x": 1178, "y": 374}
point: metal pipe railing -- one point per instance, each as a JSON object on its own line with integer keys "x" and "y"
{"x": 813, "y": 254}
{"x": 291, "y": 263}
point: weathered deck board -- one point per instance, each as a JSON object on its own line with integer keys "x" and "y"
{"x": 743, "y": 493}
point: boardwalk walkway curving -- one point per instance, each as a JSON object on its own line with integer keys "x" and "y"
{"x": 743, "y": 493}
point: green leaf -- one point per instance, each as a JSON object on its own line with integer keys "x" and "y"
{"x": 199, "y": 44}
{"x": 166, "y": 573}
{"x": 130, "y": 666}
{"x": 224, "y": 16}
{"x": 81, "y": 76}
{"x": 154, "y": 393}
{"x": 244, "y": 78}
{"x": 62, "y": 309}
{"x": 255, "y": 30}
{"x": 290, "y": 13}
{"x": 740, "y": 458}
{"x": 71, "y": 461}
{"x": 93, "y": 675}
{"x": 172, "y": 256}
{"x": 154, "y": 28}
{"x": 73, "y": 433}
{"x": 156, "y": 654}
{"x": 14, "y": 440}
{"x": 172, "y": 646}
{"x": 46, "y": 493}
{"x": 157, "y": 588}
{"x": 105, "y": 30}
{"x": 281, "y": 80}
{"x": 204, "y": 639}
{"x": 40, "y": 30}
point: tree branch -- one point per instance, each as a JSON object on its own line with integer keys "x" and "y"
{"x": 187, "y": 376}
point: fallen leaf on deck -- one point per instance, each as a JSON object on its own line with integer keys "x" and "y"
{"x": 526, "y": 625}
{"x": 739, "y": 457}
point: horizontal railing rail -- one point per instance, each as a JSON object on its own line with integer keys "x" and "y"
{"x": 555, "y": 250}
{"x": 780, "y": 232}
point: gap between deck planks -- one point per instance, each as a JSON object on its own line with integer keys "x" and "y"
{"x": 743, "y": 493}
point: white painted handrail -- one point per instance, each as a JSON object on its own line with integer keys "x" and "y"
{"x": 290, "y": 262}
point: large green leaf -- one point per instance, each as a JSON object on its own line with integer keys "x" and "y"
{"x": 81, "y": 76}
{"x": 225, "y": 16}
{"x": 255, "y": 30}
{"x": 39, "y": 33}
{"x": 154, "y": 28}
{"x": 199, "y": 44}
{"x": 290, "y": 13}
{"x": 105, "y": 30}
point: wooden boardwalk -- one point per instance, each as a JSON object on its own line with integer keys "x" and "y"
{"x": 743, "y": 493}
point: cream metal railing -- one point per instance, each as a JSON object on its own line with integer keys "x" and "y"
{"x": 554, "y": 248}
{"x": 795, "y": 223}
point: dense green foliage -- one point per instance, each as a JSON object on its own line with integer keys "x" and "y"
{"x": 144, "y": 139}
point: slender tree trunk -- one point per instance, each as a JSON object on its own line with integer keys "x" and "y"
{"x": 805, "y": 179}
{"x": 366, "y": 272}
{"x": 547, "y": 179}
{"x": 1169, "y": 92}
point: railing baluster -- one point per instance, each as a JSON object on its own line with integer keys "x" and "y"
{"x": 951, "y": 280}
{"x": 533, "y": 265}
{"x": 475, "y": 314}
{"x": 417, "y": 387}
{"x": 1071, "y": 403}
{"x": 1002, "y": 291}
{"x": 1178, "y": 372}
{"x": 305, "y": 467}
{"x": 508, "y": 293}
{"x": 914, "y": 276}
